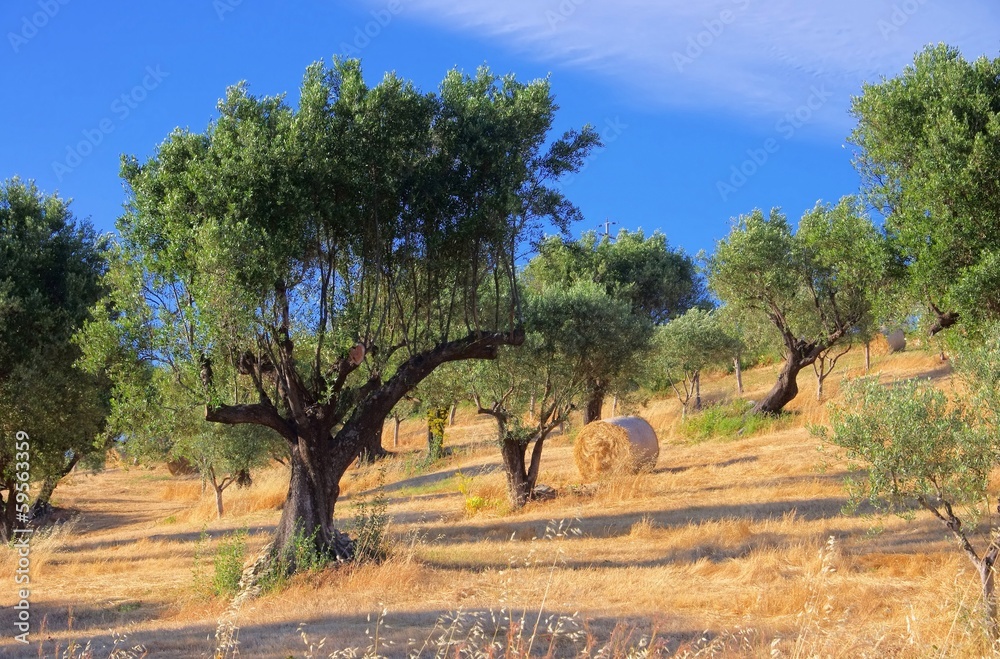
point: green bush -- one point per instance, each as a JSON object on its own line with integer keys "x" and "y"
{"x": 229, "y": 559}
{"x": 728, "y": 420}
{"x": 371, "y": 525}
{"x": 301, "y": 556}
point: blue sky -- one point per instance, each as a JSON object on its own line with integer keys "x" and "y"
{"x": 688, "y": 94}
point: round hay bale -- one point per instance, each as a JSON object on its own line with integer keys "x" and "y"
{"x": 623, "y": 443}
{"x": 896, "y": 340}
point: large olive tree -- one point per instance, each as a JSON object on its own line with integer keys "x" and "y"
{"x": 303, "y": 269}
{"x": 928, "y": 151}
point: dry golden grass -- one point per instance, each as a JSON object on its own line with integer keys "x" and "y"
{"x": 726, "y": 548}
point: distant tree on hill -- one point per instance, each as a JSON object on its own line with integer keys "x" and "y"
{"x": 687, "y": 345}
{"x": 815, "y": 285}
{"x": 568, "y": 330}
{"x": 657, "y": 282}
{"x": 754, "y": 336}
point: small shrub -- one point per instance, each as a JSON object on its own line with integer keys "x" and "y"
{"x": 371, "y": 525}
{"x": 729, "y": 421}
{"x": 229, "y": 559}
{"x": 476, "y": 503}
{"x": 301, "y": 554}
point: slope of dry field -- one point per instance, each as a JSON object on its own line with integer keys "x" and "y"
{"x": 728, "y": 548}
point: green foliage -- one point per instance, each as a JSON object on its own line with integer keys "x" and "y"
{"x": 596, "y": 333}
{"x": 658, "y": 282}
{"x": 573, "y": 334}
{"x": 690, "y": 343}
{"x": 654, "y": 282}
{"x": 228, "y": 564}
{"x": 729, "y": 421}
{"x": 50, "y": 270}
{"x": 928, "y": 151}
{"x": 756, "y": 338}
{"x": 816, "y": 283}
{"x": 818, "y": 286}
{"x": 914, "y": 444}
{"x": 754, "y": 268}
{"x": 977, "y": 360}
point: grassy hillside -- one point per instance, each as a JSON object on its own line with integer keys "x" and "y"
{"x": 729, "y": 547}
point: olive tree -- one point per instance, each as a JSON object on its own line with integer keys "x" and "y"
{"x": 565, "y": 328}
{"x": 303, "y": 269}
{"x": 687, "y": 345}
{"x": 224, "y": 455}
{"x": 928, "y": 149}
{"x": 50, "y": 270}
{"x": 815, "y": 284}
{"x": 657, "y": 281}
{"x": 754, "y": 337}
{"x": 916, "y": 445}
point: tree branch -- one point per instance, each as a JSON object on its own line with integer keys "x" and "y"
{"x": 260, "y": 414}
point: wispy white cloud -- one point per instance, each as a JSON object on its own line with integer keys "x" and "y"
{"x": 759, "y": 58}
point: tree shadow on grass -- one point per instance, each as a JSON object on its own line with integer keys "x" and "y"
{"x": 427, "y": 480}
{"x": 179, "y": 536}
{"x": 400, "y": 632}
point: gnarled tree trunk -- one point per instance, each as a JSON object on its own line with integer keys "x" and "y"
{"x": 945, "y": 319}
{"x": 522, "y": 476}
{"x": 318, "y": 458}
{"x": 313, "y": 488}
{"x": 42, "y": 504}
{"x": 373, "y": 449}
{"x": 784, "y": 390}
{"x": 9, "y": 512}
